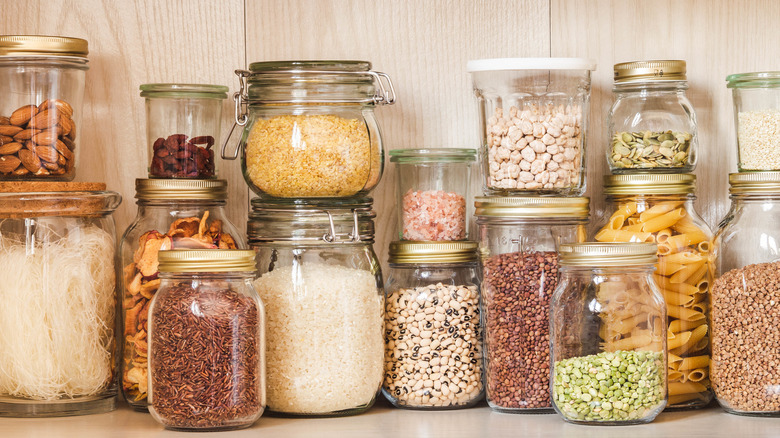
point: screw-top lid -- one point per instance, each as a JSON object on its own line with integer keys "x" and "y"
{"x": 29, "y": 199}
{"x": 761, "y": 79}
{"x": 42, "y": 45}
{"x": 207, "y": 260}
{"x": 182, "y": 189}
{"x": 641, "y": 71}
{"x": 532, "y": 207}
{"x": 754, "y": 182}
{"x": 433, "y": 252}
{"x": 433, "y": 155}
{"x": 650, "y": 184}
{"x": 607, "y": 254}
{"x": 530, "y": 64}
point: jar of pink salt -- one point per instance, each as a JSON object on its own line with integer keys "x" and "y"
{"x": 433, "y": 192}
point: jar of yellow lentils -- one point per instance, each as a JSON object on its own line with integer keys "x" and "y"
{"x": 309, "y": 129}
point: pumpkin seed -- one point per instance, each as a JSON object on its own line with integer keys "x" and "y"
{"x": 648, "y": 149}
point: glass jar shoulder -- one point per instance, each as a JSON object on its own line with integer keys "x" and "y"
{"x": 746, "y": 235}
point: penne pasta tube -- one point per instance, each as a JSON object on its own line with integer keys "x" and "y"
{"x": 697, "y": 375}
{"x": 694, "y": 362}
{"x": 682, "y": 398}
{"x": 676, "y": 388}
{"x": 700, "y": 307}
{"x": 674, "y": 359}
{"x": 686, "y": 225}
{"x": 665, "y": 220}
{"x": 683, "y": 274}
{"x": 683, "y": 288}
{"x": 632, "y": 343}
{"x": 667, "y": 269}
{"x": 704, "y": 246}
{"x": 679, "y": 340}
{"x": 633, "y": 220}
{"x": 678, "y": 325}
{"x": 683, "y": 313}
{"x": 616, "y": 221}
{"x": 664, "y": 248}
{"x": 681, "y": 241}
{"x": 628, "y": 208}
{"x": 696, "y": 335}
{"x": 698, "y": 275}
{"x": 662, "y": 235}
{"x": 703, "y": 286}
{"x": 675, "y": 375}
{"x": 634, "y": 228}
{"x": 606, "y": 235}
{"x": 658, "y": 210}
{"x": 677, "y": 299}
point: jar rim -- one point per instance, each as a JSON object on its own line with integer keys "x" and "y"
{"x": 327, "y": 65}
{"x": 760, "y": 79}
{"x": 499, "y": 64}
{"x": 43, "y": 45}
{"x": 180, "y": 189}
{"x": 597, "y": 254}
{"x": 183, "y": 91}
{"x": 756, "y": 183}
{"x": 433, "y": 155}
{"x": 206, "y": 260}
{"x": 429, "y": 252}
{"x": 650, "y": 184}
{"x": 526, "y": 207}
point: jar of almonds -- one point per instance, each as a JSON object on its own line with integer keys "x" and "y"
{"x": 41, "y": 90}
{"x": 652, "y": 125}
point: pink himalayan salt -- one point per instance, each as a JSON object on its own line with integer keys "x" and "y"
{"x": 434, "y": 215}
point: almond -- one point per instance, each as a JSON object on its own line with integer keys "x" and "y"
{"x": 25, "y": 135}
{"x": 50, "y": 166}
{"x": 29, "y": 160}
{"x": 66, "y": 124}
{"x": 47, "y": 153}
{"x": 6, "y": 139}
{"x": 45, "y": 119}
{"x": 8, "y": 163}
{"x": 59, "y": 171}
{"x": 42, "y": 171}
{"x": 21, "y": 116}
{"x": 68, "y": 143}
{"x": 45, "y": 138}
{"x": 61, "y": 105}
{"x": 61, "y": 160}
{"x": 5, "y": 120}
{"x": 63, "y": 150}
{"x": 20, "y": 171}
{"x": 10, "y": 148}
{"x": 10, "y": 130}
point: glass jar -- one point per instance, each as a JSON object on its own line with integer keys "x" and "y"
{"x": 651, "y": 125}
{"x": 757, "y": 119}
{"x": 206, "y": 341}
{"x": 42, "y": 89}
{"x": 659, "y": 208}
{"x": 57, "y": 285}
{"x": 433, "y": 358}
{"x": 182, "y": 125}
{"x": 533, "y": 120}
{"x": 518, "y": 242}
{"x": 745, "y": 297}
{"x": 433, "y": 192}
{"x": 608, "y": 335}
{"x": 172, "y": 214}
{"x": 321, "y": 282}
{"x": 310, "y": 130}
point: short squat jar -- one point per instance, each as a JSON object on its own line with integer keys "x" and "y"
{"x": 433, "y": 342}
{"x": 41, "y": 92}
{"x": 757, "y": 119}
{"x": 746, "y": 297}
{"x": 519, "y": 238}
{"x": 321, "y": 281}
{"x": 309, "y": 129}
{"x": 433, "y": 192}
{"x": 206, "y": 342}
{"x": 608, "y": 335}
{"x": 652, "y": 125}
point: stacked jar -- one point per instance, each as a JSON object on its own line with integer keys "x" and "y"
{"x": 533, "y": 124}
{"x": 57, "y": 239}
{"x": 312, "y": 151}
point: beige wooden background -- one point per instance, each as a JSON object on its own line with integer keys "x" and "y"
{"x": 422, "y": 44}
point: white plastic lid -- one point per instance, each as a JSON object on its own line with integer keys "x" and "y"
{"x": 530, "y": 64}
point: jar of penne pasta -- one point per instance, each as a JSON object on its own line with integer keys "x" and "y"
{"x": 659, "y": 208}
{"x": 519, "y": 238}
{"x": 746, "y": 298}
{"x": 608, "y": 335}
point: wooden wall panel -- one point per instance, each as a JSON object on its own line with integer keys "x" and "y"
{"x": 716, "y": 38}
{"x": 130, "y": 43}
{"x": 423, "y": 45}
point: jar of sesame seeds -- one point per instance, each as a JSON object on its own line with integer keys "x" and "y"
{"x": 309, "y": 129}
{"x": 433, "y": 354}
{"x": 757, "y": 119}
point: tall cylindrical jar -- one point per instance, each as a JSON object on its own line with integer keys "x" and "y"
{"x": 309, "y": 129}
{"x": 206, "y": 341}
{"x": 41, "y": 92}
{"x": 651, "y": 125}
{"x": 756, "y": 119}
{"x": 608, "y": 335}
{"x": 746, "y": 298}
{"x": 519, "y": 238}
{"x": 58, "y": 293}
{"x": 660, "y": 208}
{"x": 433, "y": 341}
{"x": 172, "y": 214}
{"x": 321, "y": 282}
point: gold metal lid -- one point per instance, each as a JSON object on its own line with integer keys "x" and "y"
{"x": 184, "y": 189}
{"x": 42, "y": 45}
{"x": 640, "y": 71}
{"x": 207, "y": 260}
{"x": 433, "y": 252}
{"x": 754, "y": 182}
{"x": 650, "y": 184}
{"x": 532, "y": 207}
{"x": 608, "y": 254}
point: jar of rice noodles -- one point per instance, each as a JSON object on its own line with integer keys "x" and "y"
{"x": 321, "y": 284}
{"x": 57, "y": 286}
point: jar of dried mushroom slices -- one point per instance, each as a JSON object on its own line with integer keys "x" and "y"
{"x": 172, "y": 214}
{"x": 533, "y": 116}
{"x": 309, "y": 129}
{"x": 746, "y": 298}
{"x": 206, "y": 341}
{"x": 652, "y": 125}
{"x": 320, "y": 280}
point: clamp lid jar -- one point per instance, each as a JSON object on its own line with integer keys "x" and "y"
{"x": 757, "y": 119}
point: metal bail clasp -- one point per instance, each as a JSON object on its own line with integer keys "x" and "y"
{"x": 331, "y": 236}
{"x": 240, "y": 113}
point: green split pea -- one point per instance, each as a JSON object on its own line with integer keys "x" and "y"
{"x": 610, "y": 386}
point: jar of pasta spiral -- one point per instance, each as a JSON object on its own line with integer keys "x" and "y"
{"x": 746, "y": 298}
{"x": 608, "y": 335}
{"x": 659, "y": 208}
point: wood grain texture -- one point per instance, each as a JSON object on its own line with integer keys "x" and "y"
{"x": 716, "y": 38}
{"x": 424, "y": 47}
{"x": 131, "y": 43}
